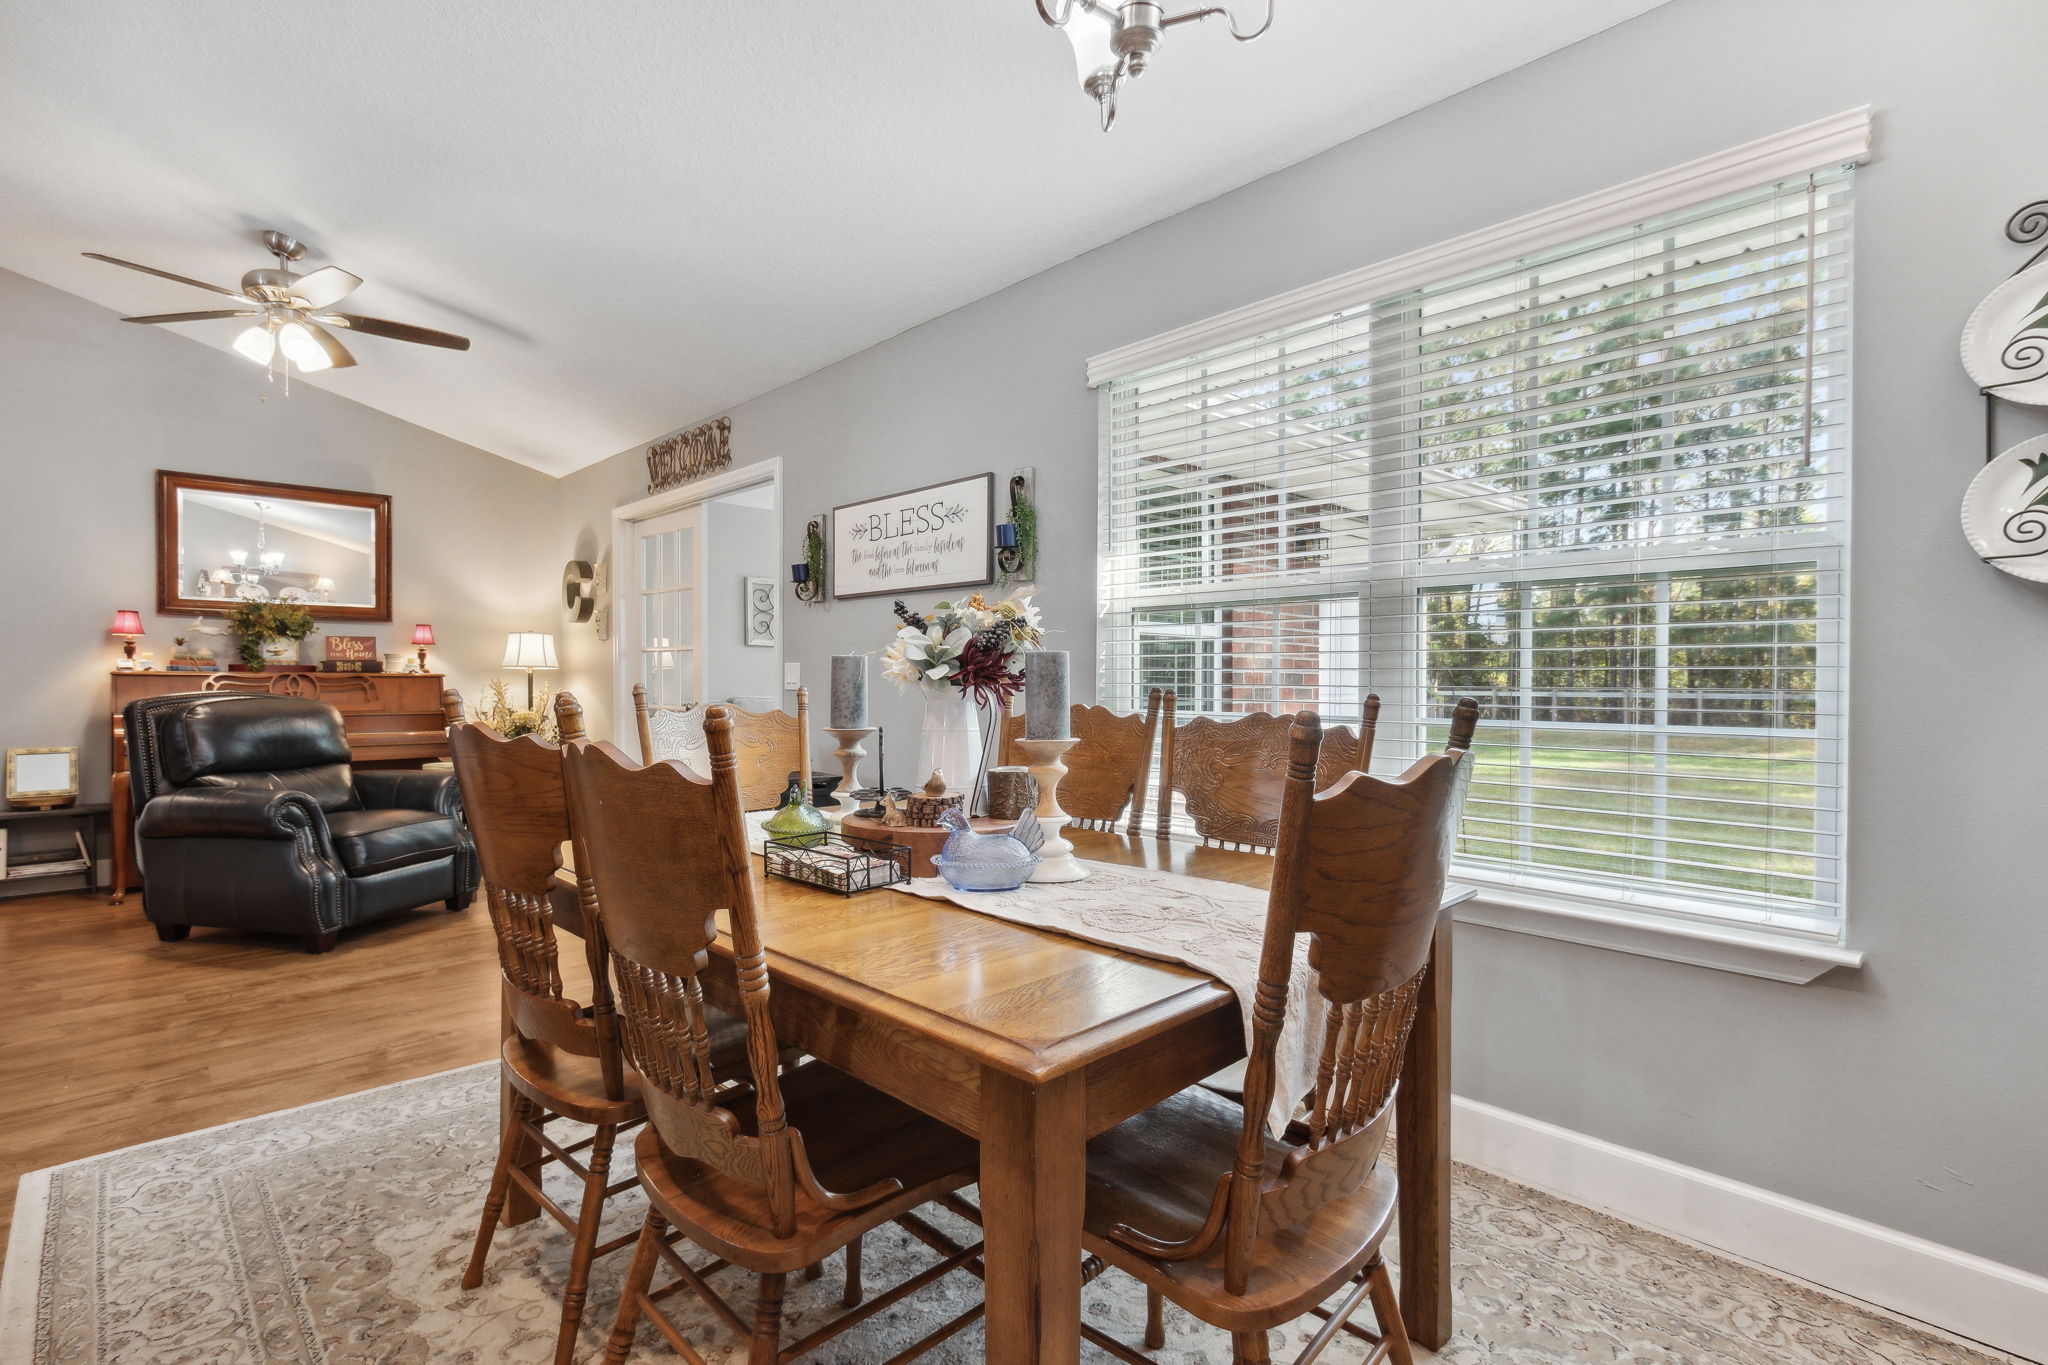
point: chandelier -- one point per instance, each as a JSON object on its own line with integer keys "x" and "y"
{"x": 1114, "y": 42}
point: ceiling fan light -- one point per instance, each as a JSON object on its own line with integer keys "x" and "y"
{"x": 301, "y": 349}
{"x": 257, "y": 344}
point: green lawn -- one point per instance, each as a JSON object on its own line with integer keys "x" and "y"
{"x": 1738, "y": 810}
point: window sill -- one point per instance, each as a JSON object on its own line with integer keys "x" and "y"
{"x": 1749, "y": 952}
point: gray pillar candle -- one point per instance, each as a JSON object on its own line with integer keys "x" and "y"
{"x": 1045, "y": 695}
{"x": 849, "y": 691}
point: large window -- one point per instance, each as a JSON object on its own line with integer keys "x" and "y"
{"x": 1601, "y": 488}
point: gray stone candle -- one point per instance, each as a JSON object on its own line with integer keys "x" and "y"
{"x": 1045, "y": 695}
{"x": 849, "y": 691}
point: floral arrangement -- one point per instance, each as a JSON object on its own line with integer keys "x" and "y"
{"x": 975, "y": 646}
{"x": 256, "y": 622}
{"x": 511, "y": 721}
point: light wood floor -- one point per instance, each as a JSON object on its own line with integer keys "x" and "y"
{"x": 110, "y": 1038}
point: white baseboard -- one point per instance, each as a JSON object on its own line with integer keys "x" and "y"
{"x": 1968, "y": 1295}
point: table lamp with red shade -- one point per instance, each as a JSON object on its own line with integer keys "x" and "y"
{"x": 127, "y": 626}
{"x": 423, "y": 636}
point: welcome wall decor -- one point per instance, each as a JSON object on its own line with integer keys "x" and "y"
{"x": 941, "y": 536}
{"x": 675, "y": 460}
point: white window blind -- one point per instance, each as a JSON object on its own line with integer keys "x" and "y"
{"x": 1602, "y": 489}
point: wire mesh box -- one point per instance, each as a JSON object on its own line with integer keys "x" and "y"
{"x": 835, "y": 862}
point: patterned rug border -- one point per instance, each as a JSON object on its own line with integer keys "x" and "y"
{"x": 22, "y": 1273}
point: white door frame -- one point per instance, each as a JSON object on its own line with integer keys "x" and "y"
{"x": 768, "y": 471}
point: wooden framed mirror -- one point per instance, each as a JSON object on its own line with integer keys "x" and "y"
{"x": 221, "y": 541}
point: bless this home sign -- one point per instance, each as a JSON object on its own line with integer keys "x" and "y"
{"x": 937, "y": 537}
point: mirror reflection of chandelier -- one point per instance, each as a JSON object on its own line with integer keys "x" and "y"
{"x": 244, "y": 576}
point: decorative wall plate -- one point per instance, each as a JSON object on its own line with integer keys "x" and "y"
{"x": 2005, "y": 342}
{"x": 2005, "y": 513}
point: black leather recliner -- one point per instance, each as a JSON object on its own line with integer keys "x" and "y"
{"x": 248, "y": 816}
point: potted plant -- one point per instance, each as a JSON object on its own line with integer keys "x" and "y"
{"x": 511, "y": 721}
{"x": 269, "y": 632}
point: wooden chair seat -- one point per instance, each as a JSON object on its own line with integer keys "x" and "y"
{"x": 568, "y": 1085}
{"x": 855, "y": 1138}
{"x": 1157, "y": 1172}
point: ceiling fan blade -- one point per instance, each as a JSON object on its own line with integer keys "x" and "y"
{"x": 337, "y": 354}
{"x": 165, "y": 274}
{"x": 397, "y": 331}
{"x": 325, "y": 287}
{"x": 207, "y": 316}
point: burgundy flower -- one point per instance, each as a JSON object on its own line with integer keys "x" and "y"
{"x": 985, "y": 675}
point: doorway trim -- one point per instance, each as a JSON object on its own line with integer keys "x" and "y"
{"x": 624, "y": 517}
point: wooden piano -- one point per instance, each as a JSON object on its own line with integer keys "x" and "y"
{"x": 393, "y": 720}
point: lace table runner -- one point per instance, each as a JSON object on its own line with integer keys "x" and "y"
{"x": 1214, "y": 927}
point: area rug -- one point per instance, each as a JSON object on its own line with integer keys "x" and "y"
{"x": 337, "y": 1234}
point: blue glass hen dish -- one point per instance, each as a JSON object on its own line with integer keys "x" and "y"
{"x": 988, "y": 862}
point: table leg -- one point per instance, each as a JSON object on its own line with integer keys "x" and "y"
{"x": 1422, "y": 1118}
{"x": 519, "y": 1205}
{"x": 118, "y": 819}
{"x": 1034, "y": 1165}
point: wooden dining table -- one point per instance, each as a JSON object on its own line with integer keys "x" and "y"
{"x": 1032, "y": 1042}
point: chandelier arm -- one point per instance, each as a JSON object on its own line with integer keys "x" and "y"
{"x": 1067, "y": 11}
{"x": 1194, "y": 15}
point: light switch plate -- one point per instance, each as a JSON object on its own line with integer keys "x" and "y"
{"x": 792, "y": 677}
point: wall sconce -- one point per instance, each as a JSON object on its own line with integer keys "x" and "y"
{"x": 807, "y": 577}
{"x": 1017, "y": 538}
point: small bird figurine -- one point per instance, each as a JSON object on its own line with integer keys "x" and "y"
{"x": 988, "y": 862}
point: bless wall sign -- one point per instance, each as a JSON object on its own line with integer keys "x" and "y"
{"x": 942, "y": 536}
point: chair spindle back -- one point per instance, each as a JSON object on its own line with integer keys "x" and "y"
{"x": 1360, "y": 869}
{"x": 517, "y": 809}
{"x": 666, "y": 851}
{"x": 768, "y": 745}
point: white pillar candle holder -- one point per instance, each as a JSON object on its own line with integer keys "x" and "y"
{"x": 850, "y": 753}
{"x": 1056, "y": 860}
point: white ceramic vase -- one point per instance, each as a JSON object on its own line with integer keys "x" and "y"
{"x": 951, "y": 742}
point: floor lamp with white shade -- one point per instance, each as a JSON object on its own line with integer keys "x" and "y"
{"x": 533, "y": 651}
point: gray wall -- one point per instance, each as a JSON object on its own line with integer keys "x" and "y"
{"x": 90, "y": 409}
{"x": 740, "y": 542}
{"x": 1910, "y": 1093}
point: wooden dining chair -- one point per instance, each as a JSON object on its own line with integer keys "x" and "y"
{"x": 1109, "y": 767}
{"x": 1193, "y": 1197}
{"x": 799, "y": 1165}
{"x": 1231, "y": 773}
{"x": 768, "y": 745}
{"x": 561, "y": 1059}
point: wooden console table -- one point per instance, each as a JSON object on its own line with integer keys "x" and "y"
{"x": 393, "y": 719}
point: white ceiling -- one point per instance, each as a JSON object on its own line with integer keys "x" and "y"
{"x": 646, "y": 211}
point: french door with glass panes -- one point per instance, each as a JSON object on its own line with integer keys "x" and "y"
{"x": 667, "y": 575}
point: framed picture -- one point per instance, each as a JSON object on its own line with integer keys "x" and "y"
{"x": 760, "y": 598}
{"x": 940, "y": 536}
{"x": 42, "y": 778}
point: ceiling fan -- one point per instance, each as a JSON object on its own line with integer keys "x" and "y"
{"x": 292, "y": 311}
